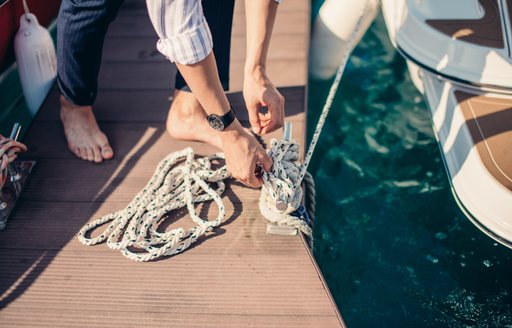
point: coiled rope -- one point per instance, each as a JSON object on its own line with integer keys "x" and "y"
{"x": 282, "y": 183}
{"x": 181, "y": 180}
{"x": 278, "y": 187}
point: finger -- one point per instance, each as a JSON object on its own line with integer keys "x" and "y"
{"x": 280, "y": 117}
{"x": 283, "y": 103}
{"x": 21, "y": 146}
{"x": 12, "y": 151}
{"x": 276, "y": 108}
{"x": 266, "y": 121}
{"x": 255, "y": 181}
{"x": 245, "y": 182}
{"x": 254, "y": 118}
{"x": 264, "y": 160}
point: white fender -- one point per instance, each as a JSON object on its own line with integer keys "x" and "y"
{"x": 332, "y": 29}
{"x": 36, "y": 60}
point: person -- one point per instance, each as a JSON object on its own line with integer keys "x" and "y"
{"x": 184, "y": 38}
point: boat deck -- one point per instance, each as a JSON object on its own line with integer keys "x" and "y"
{"x": 235, "y": 277}
{"x": 488, "y": 31}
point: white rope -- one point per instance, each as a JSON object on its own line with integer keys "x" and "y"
{"x": 176, "y": 184}
{"x": 282, "y": 183}
{"x": 180, "y": 180}
{"x": 332, "y": 93}
{"x": 27, "y": 11}
{"x": 278, "y": 186}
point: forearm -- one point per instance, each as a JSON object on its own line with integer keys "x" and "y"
{"x": 260, "y": 17}
{"x": 203, "y": 80}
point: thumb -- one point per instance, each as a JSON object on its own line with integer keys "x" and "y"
{"x": 254, "y": 119}
{"x": 265, "y": 160}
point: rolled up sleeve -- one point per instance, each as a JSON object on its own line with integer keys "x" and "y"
{"x": 184, "y": 35}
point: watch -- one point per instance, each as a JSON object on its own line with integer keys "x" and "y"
{"x": 220, "y": 123}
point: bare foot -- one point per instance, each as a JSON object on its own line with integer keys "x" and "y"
{"x": 83, "y": 134}
{"x": 187, "y": 120}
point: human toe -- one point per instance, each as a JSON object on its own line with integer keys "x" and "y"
{"x": 90, "y": 154}
{"x": 75, "y": 150}
{"x": 98, "y": 158}
{"x": 107, "y": 152}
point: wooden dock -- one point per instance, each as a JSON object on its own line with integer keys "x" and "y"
{"x": 237, "y": 276}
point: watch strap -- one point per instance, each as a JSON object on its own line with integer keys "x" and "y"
{"x": 229, "y": 117}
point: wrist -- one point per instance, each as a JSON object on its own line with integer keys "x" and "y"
{"x": 255, "y": 71}
{"x": 221, "y": 122}
{"x": 232, "y": 131}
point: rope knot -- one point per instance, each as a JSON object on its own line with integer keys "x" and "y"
{"x": 281, "y": 197}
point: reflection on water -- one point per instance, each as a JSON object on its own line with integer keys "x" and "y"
{"x": 392, "y": 243}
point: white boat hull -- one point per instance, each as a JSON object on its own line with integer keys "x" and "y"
{"x": 468, "y": 88}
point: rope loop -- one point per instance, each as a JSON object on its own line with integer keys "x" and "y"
{"x": 176, "y": 184}
{"x": 280, "y": 200}
{"x": 180, "y": 180}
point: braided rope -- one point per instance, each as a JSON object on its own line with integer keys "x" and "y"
{"x": 180, "y": 180}
{"x": 332, "y": 93}
{"x": 278, "y": 185}
{"x": 282, "y": 183}
{"x": 9, "y": 150}
{"x": 310, "y": 194}
{"x": 175, "y": 186}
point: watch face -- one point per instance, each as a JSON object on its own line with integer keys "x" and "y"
{"x": 215, "y": 122}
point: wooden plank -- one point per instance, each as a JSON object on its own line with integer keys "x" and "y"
{"x": 143, "y": 76}
{"x": 294, "y": 47}
{"x": 288, "y": 50}
{"x": 287, "y": 22}
{"x": 138, "y": 150}
{"x": 138, "y": 49}
{"x": 109, "y": 318}
{"x": 281, "y": 73}
{"x": 143, "y": 48}
{"x": 117, "y": 106}
{"x": 240, "y": 234}
{"x": 235, "y": 276}
{"x": 130, "y": 24}
{"x": 285, "y": 6}
{"x": 152, "y": 105}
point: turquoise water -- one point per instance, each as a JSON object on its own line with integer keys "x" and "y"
{"x": 394, "y": 247}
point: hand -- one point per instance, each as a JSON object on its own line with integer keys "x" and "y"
{"x": 259, "y": 91}
{"x": 12, "y": 149}
{"x": 243, "y": 152}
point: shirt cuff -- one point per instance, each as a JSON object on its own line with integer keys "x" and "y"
{"x": 189, "y": 47}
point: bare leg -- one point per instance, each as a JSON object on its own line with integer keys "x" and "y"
{"x": 83, "y": 134}
{"x": 81, "y": 30}
{"x": 187, "y": 120}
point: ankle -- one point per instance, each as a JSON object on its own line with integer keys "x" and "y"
{"x": 185, "y": 105}
{"x": 67, "y": 105}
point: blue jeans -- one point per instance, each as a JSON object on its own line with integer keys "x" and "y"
{"x": 82, "y": 26}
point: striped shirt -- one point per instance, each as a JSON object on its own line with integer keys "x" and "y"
{"x": 184, "y": 35}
